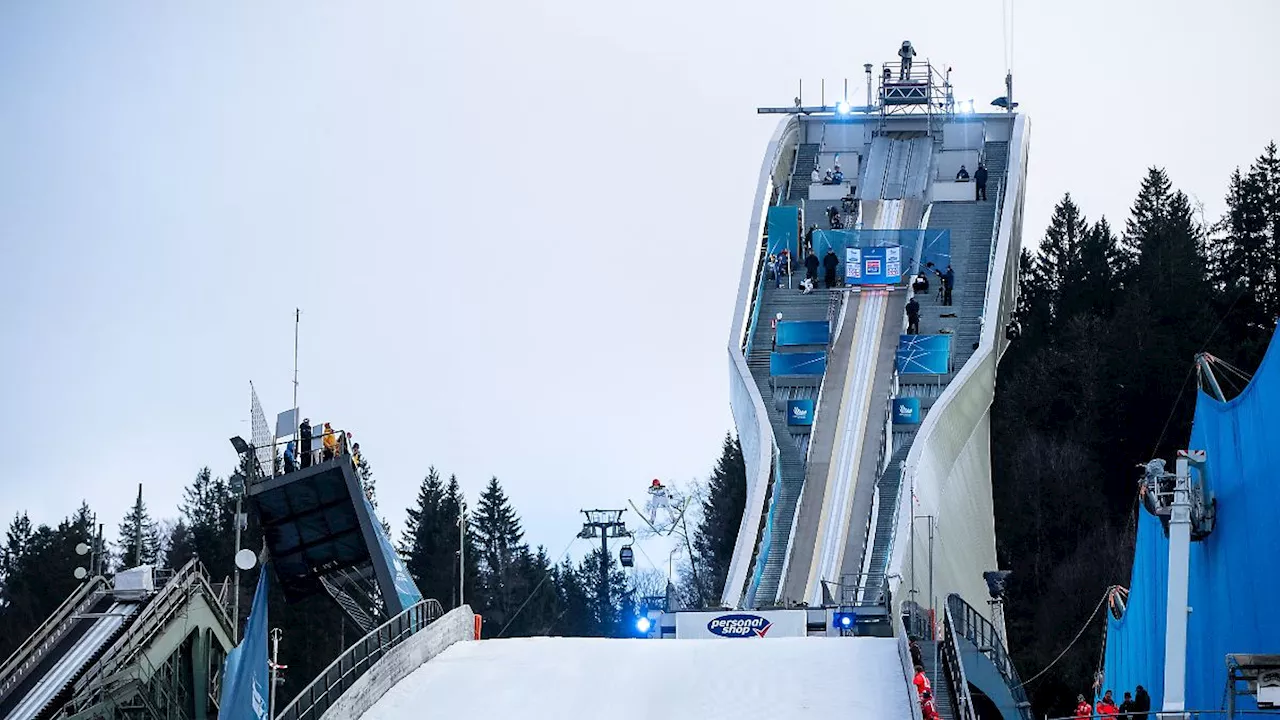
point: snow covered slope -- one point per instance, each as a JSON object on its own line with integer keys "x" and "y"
{"x": 571, "y": 678}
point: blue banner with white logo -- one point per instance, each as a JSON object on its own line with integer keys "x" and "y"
{"x": 924, "y": 354}
{"x": 783, "y": 224}
{"x": 873, "y": 265}
{"x": 801, "y": 363}
{"x": 906, "y": 411}
{"x": 800, "y": 412}
{"x": 804, "y": 332}
{"x": 407, "y": 591}
{"x": 244, "y": 678}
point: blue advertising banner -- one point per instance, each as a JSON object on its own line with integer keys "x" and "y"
{"x": 936, "y": 249}
{"x": 804, "y": 332}
{"x": 873, "y": 266}
{"x": 801, "y": 363}
{"x": 406, "y": 590}
{"x": 244, "y": 676}
{"x": 906, "y": 411}
{"x": 783, "y": 223}
{"x": 834, "y": 240}
{"x": 924, "y": 354}
{"x": 799, "y": 412}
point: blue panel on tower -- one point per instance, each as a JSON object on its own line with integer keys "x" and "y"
{"x": 924, "y": 354}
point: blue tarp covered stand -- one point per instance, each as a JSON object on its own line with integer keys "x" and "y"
{"x": 1235, "y": 571}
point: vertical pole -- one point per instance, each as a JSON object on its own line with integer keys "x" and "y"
{"x": 137, "y": 530}
{"x": 1175, "y": 643}
{"x": 604, "y": 572}
{"x": 822, "y": 92}
{"x": 1008, "y": 91}
{"x": 275, "y": 661}
{"x": 297, "y": 320}
{"x": 235, "y": 613}
{"x": 870, "y": 82}
{"x": 462, "y": 549}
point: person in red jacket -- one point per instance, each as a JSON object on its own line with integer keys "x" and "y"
{"x": 927, "y": 707}
{"x": 921, "y": 681}
{"x": 1107, "y": 706}
{"x": 1083, "y": 709}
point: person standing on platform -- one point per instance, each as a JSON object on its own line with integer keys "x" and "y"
{"x": 980, "y": 183}
{"x": 913, "y": 317}
{"x": 906, "y": 53}
{"x": 304, "y": 438}
{"x": 330, "y": 443}
{"x": 1084, "y": 710}
{"x": 811, "y": 264}
{"x": 290, "y": 458}
{"x": 948, "y": 284}
{"x": 830, "y": 263}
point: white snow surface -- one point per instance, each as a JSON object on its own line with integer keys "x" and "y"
{"x": 571, "y": 678}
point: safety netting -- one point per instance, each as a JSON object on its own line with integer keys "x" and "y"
{"x": 1234, "y": 594}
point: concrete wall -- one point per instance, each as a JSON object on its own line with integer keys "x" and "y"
{"x": 949, "y": 466}
{"x": 457, "y": 625}
{"x": 952, "y": 191}
{"x": 749, "y": 414}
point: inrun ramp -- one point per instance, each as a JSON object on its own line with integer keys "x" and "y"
{"x": 558, "y": 678}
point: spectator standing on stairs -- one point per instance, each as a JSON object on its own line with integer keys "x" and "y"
{"x": 913, "y": 317}
{"x": 928, "y": 709}
{"x": 921, "y": 681}
{"x": 811, "y": 264}
{"x": 776, "y": 319}
{"x": 980, "y": 183}
{"x": 815, "y": 177}
{"x": 830, "y": 263}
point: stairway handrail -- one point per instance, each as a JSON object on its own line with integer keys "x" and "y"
{"x": 957, "y": 681}
{"x": 369, "y": 649}
{"x": 52, "y": 629}
{"x": 986, "y": 637}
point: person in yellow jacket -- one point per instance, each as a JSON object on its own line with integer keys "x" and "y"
{"x": 330, "y": 443}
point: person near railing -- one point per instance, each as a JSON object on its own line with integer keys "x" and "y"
{"x": 963, "y": 175}
{"x": 906, "y": 52}
{"x": 921, "y": 681}
{"x": 830, "y": 263}
{"x": 1084, "y": 710}
{"x": 304, "y": 439}
{"x": 913, "y": 317}
{"x": 1107, "y": 706}
{"x": 928, "y": 709}
{"x": 330, "y": 443}
{"x": 290, "y": 457}
{"x": 980, "y": 182}
{"x": 811, "y": 264}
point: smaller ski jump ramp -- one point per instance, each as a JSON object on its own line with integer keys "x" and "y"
{"x": 559, "y": 678}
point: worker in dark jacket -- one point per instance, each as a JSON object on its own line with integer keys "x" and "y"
{"x": 948, "y": 284}
{"x": 1141, "y": 703}
{"x": 830, "y": 263}
{"x": 811, "y": 266}
{"x": 304, "y": 437}
{"x": 980, "y": 182}
{"x": 913, "y": 317}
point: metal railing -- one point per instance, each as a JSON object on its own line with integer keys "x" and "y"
{"x": 49, "y": 633}
{"x": 957, "y": 682}
{"x": 343, "y": 672}
{"x": 971, "y": 625}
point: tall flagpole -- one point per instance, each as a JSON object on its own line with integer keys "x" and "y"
{"x": 297, "y": 320}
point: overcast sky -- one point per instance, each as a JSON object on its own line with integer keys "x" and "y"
{"x": 514, "y": 229}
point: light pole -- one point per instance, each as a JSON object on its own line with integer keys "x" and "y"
{"x": 238, "y": 484}
{"x": 275, "y": 667}
{"x": 605, "y": 524}
{"x": 462, "y": 550}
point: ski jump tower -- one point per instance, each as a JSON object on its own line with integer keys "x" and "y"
{"x": 867, "y": 449}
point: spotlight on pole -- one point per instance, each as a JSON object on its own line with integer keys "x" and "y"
{"x": 643, "y": 624}
{"x": 842, "y": 108}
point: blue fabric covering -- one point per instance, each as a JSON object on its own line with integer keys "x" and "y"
{"x": 783, "y": 223}
{"x": 802, "y": 363}
{"x": 924, "y": 354}
{"x": 245, "y": 675}
{"x": 407, "y": 593}
{"x": 1235, "y": 572}
{"x": 804, "y": 332}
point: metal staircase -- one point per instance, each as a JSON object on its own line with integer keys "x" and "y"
{"x": 792, "y": 448}
{"x": 806, "y": 161}
{"x": 942, "y": 690}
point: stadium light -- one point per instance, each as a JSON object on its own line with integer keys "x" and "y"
{"x": 643, "y": 624}
{"x": 842, "y": 107}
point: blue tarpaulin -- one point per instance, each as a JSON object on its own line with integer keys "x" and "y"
{"x": 804, "y": 332}
{"x": 407, "y": 592}
{"x": 1234, "y": 572}
{"x": 924, "y": 354}
{"x": 245, "y": 677}
{"x": 801, "y": 363}
{"x": 783, "y": 224}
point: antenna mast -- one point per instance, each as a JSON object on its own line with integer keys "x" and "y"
{"x": 297, "y": 320}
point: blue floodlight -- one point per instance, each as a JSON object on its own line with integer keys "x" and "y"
{"x": 842, "y": 107}
{"x": 643, "y": 624}
{"x": 844, "y": 619}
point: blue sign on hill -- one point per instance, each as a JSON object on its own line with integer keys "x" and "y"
{"x": 924, "y": 354}
{"x": 802, "y": 363}
{"x": 804, "y": 332}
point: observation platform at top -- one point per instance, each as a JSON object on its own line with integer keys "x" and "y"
{"x": 322, "y": 533}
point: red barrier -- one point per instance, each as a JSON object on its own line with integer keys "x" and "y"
{"x": 479, "y": 624}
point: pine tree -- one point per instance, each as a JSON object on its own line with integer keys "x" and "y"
{"x": 451, "y": 506}
{"x": 497, "y": 537}
{"x": 208, "y": 510}
{"x": 139, "y": 542}
{"x": 425, "y": 540}
{"x": 180, "y": 546}
{"x": 604, "y": 609}
{"x": 1057, "y": 265}
{"x": 717, "y": 533}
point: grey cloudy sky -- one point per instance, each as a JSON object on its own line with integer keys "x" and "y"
{"x": 514, "y": 229}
